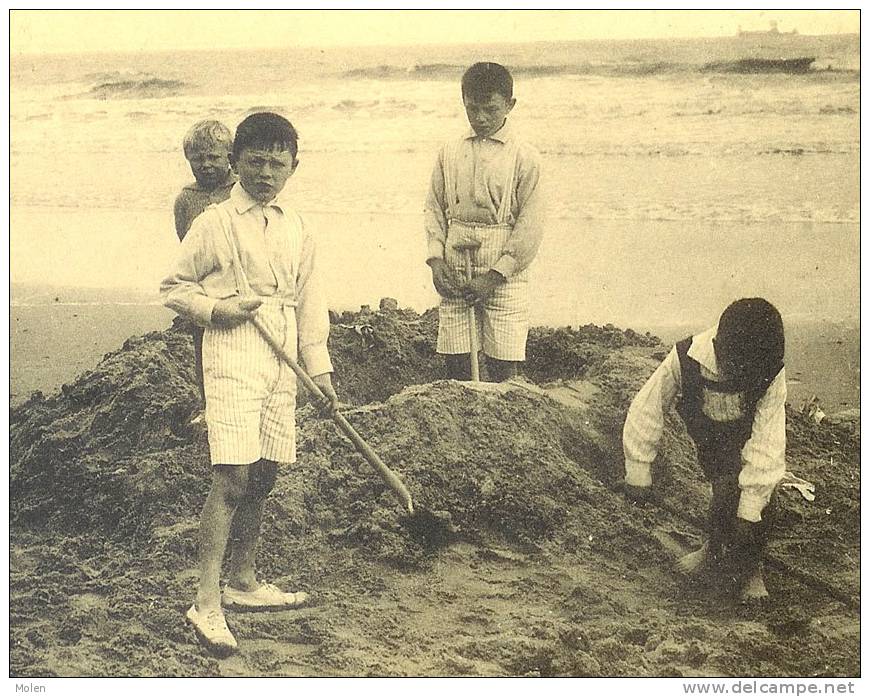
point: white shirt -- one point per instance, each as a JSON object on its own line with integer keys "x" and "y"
{"x": 482, "y": 164}
{"x": 763, "y": 455}
{"x": 278, "y": 260}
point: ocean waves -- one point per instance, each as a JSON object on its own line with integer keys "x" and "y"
{"x": 126, "y": 85}
{"x": 630, "y": 68}
{"x": 446, "y": 71}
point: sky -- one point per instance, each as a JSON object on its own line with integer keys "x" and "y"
{"x": 72, "y": 31}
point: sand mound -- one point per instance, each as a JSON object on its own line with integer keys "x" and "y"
{"x": 376, "y": 354}
{"x": 100, "y": 453}
{"x": 506, "y": 462}
{"x": 81, "y": 457}
{"x": 545, "y": 570}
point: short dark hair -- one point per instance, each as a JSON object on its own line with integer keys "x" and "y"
{"x": 751, "y": 334}
{"x": 484, "y": 79}
{"x": 265, "y": 130}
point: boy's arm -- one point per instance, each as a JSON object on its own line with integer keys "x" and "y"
{"x": 446, "y": 282}
{"x": 525, "y": 239}
{"x": 435, "y": 212}
{"x": 312, "y": 314}
{"x": 646, "y": 419}
{"x": 764, "y": 453}
{"x": 181, "y": 290}
{"x": 182, "y": 221}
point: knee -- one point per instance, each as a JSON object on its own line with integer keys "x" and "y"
{"x": 262, "y": 478}
{"x": 231, "y": 483}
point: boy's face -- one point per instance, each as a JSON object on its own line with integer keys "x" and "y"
{"x": 487, "y": 114}
{"x": 263, "y": 172}
{"x": 209, "y": 166}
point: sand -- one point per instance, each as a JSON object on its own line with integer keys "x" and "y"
{"x": 548, "y": 571}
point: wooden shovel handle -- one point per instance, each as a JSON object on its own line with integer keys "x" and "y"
{"x": 472, "y": 322}
{"x": 390, "y": 477}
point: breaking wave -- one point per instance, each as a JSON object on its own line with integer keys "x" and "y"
{"x": 120, "y": 85}
{"x": 639, "y": 68}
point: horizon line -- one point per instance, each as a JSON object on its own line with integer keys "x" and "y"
{"x": 241, "y": 49}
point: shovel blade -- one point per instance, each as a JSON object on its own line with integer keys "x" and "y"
{"x": 432, "y": 529}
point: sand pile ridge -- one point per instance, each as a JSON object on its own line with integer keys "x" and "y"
{"x": 108, "y": 477}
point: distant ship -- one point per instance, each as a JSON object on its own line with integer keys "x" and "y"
{"x": 761, "y": 65}
{"x": 773, "y": 31}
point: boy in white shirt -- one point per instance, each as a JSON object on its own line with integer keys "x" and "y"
{"x": 730, "y": 390}
{"x": 485, "y": 190}
{"x": 250, "y": 254}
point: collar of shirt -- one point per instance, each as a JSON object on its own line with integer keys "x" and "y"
{"x": 702, "y": 351}
{"x": 243, "y": 202}
{"x": 502, "y": 135}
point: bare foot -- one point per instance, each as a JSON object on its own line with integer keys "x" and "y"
{"x": 693, "y": 563}
{"x": 754, "y": 588}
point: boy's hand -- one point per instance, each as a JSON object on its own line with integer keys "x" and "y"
{"x": 445, "y": 280}
{"x": 478, "y": 289}
{"x": 637, "y": 494}
{"x": 233, "y": 311}
{"x": 324, "y": 382}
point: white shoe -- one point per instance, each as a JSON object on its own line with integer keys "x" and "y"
{"x": 266, "y": 597}
{"x": 212, "y": 630}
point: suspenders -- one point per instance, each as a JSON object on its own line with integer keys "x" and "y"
{"x": 243, "y": 286}
{"x": 451, "y": 153}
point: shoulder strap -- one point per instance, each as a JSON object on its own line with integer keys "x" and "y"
{"x": 510, "y": 183}
{"x": 299, "y": 224}
{"x": 243, "y": 287}
{"x": 449, "y": 165}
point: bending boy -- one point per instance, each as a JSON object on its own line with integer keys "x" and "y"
{"x": 485, "y": 191}
{"x": 250, "y": 254}
{"x": 730, "y": 390}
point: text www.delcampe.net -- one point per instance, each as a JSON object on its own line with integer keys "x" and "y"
{"x": 763, "y": 687}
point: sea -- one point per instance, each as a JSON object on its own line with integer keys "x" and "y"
{"x": 674, "y": 185}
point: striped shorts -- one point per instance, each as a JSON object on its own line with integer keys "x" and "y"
{"x": 502, "y": 323}
{"x": 250, "y": 393}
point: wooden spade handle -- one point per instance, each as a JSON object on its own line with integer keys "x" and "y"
{"x": 390, "y": 477}
{"x": 472, "y": 322}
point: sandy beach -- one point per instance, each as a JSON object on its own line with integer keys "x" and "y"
{"x": 675, "y": 184}
{"x": 545, "y": 569}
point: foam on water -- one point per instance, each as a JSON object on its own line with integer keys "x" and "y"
{"x": 635, "y": 140}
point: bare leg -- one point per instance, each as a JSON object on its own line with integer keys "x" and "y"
{"x": 227, "y": 490}
{"x": 243, "y": 545}
{"x": 246, "y": 526}
{"x": 458, "y": 366}
{"x": 499, "y": 370}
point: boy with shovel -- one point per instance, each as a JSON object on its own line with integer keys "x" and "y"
{"x": 248, "y": 256}
{"x": 729, "y": 387}
{"x": 484, "y": 203}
